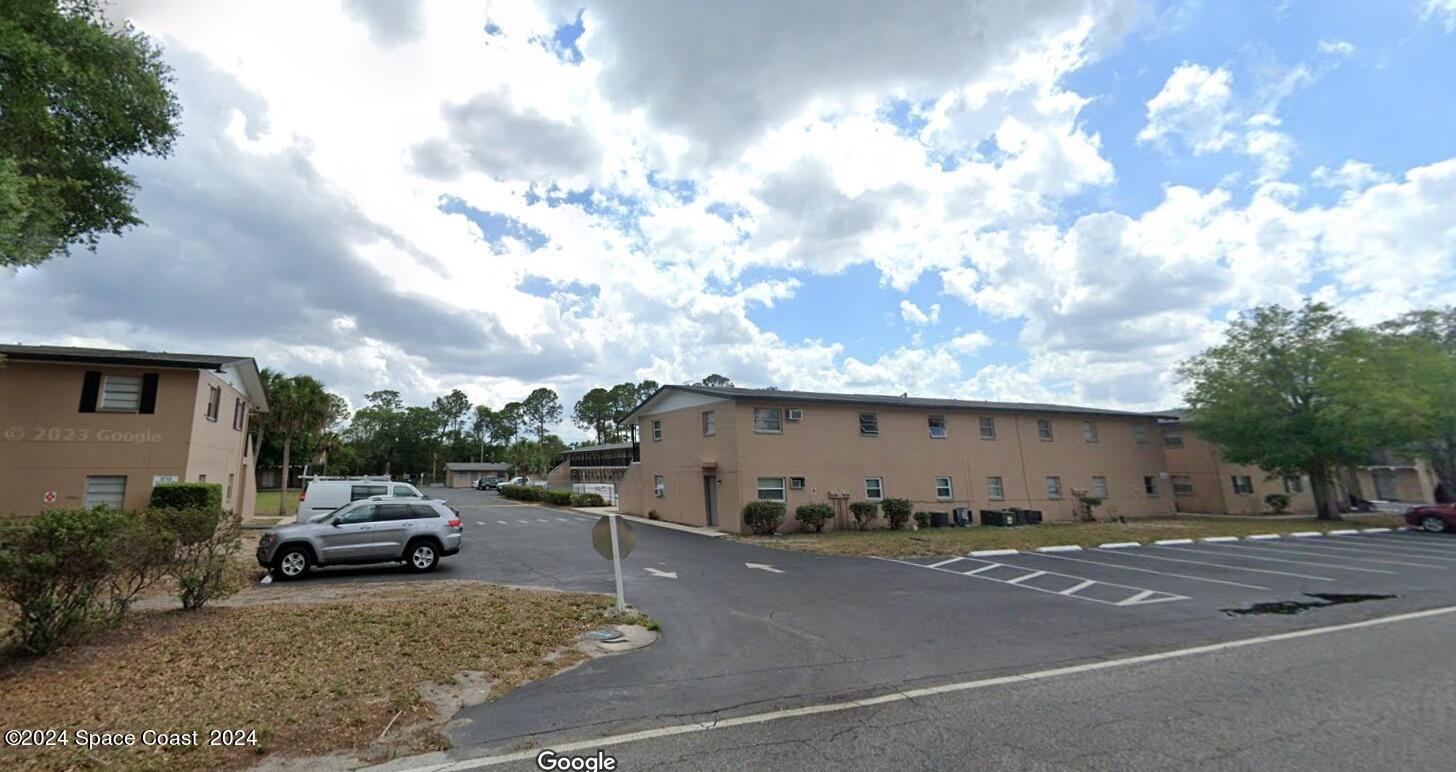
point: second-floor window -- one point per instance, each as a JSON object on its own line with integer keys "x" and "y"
{"x": 988, "y": 428}
{"x": 121, "y": 394}
{"x": 768, "y": 420}
{"x": 1140, "y": 435}
{"x": 240, "y": 414}
{"x": 1089, "y": 431}
{"x": 937, "y": 427}
{"x": 214, "y": 402}
{"x": 1044, "y": 429}
{"x": 656, "y": 430}
{"x": 1171, "y": 440}
{"x": 710, "y": 423}
{"x": 869, "y": 424}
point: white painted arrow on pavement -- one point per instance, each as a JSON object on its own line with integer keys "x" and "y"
{"x": 763, "y": 567}
{"x": 667, "y": 574}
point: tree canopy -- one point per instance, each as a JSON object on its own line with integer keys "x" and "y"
{"x": 78, "y": 98}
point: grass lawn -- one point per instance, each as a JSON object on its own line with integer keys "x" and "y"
{"x": 959, "y": 541}
{"x": 267, "y": 503}
{"x": 311, "y": 669}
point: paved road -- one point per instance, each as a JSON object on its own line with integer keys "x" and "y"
{"x": 739, "y": 640}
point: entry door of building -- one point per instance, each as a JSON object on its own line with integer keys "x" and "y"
{"x": 1385, "y": 486}
{"x": 710, "y": 495}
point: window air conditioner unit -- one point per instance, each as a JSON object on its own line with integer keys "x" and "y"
{"x": 796, "y": 414}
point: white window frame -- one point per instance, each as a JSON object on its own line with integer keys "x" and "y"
{"x": 778, "y": 420}
{"x": 710, "y": 423}
{"x": 659, "y": 486}
{"x": 995, "y": 488}
{"x": 949, "y": 489}
{"x": 1099, "y": 487}
{"x": 1293, "y": 483}
{"x": 797, "y": 483}
{"x": 106, "y": 380}
{"x": 1089, "y": 431}
{"x": 214, "y": 403}
{"x": 944, "y": 427}
{"x": 105, "y": 479}
{"x": 987, "y": 422}
{"x": 783, "y": 494}
{"x": 879, "y": 486}
{"x": 874, "y": 419}
{"x": 1151, "y": 487}
{"x": 240, "y": 414}
{"x": 657, "y": 430}
{"x": 1243, "y": 484}
{"x": 1045, "y": 436}
{"x": 1053, "y": 487}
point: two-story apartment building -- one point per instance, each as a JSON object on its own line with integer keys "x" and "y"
{"x": 706, "y": 451}
{"x": 84, "y": 427}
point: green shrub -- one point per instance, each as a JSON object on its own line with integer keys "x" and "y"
{"x": 54, "y": 569}
{"x": 144, "y": 548}
{"x": 205, "y": 542}
{"x": 864, "y": 513}
{"x": 922, "y": 519}
{"x": 587, "y": 500}
{"x": 897, "y": 512}
{"x": 187, "y": 496}
{"x": 814, "y": 515}
{"x": 1278, "y": 503}
{"x": 522, "y": 492}
{"x": 763, "y": 517}
{"x": 558, "y": 498}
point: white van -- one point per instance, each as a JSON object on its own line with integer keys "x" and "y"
{"x": 329, "y": 495}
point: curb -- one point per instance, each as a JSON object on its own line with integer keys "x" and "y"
{"x": 1118, "y": 545}
{"x": 990, "y": 553}
{"x": 1061, "y": 548}
{"x": 1342, "y": 532}
{"x": 1306, "y": 534}
{"x": 1217, "y": 539}
{"x": 1264, "y": 536}
{"x": 1173, "y": 541}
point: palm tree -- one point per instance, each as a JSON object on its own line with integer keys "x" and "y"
{"x": 300, "y": 407}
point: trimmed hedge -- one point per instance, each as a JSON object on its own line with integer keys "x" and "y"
{"x": 897, "y": 512}
{"x": 763, "y": 517}
{"x": 864, "y": 513}
{"x": 522, "y": 492}
{"x": 814, "y": 515}
{"x": 558, "y": 498}
{"x": 187, "y": 496}
{"x": 922, "y": 519}
{"x": 587, "y": 500}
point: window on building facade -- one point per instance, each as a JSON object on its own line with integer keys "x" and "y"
{"x": 1089, "y": 431}
{"x": 770, "y": 489}
{"x": 121, "y": 394}
{"x": 937, "y": 427}
{"x": 1054, "y": 487}
{"x": 1150, "y": 485}
{"x": 1099, "y": 487}
{"x": 656, "y": 430}
{"x": 214, "y": 402}
{"x": 1182, "y": 485}
{"x": 768, "y": 420}
{"x": 1044, "y": 429}
{"x": 659, "y": 486}
{"x": 994, "y": 488}
{"x": 1243, "y": 485}
{"x": 1293, "y": 484}
{"x": 874, "y": 488}
{"x": 240, "y": 414}
{"x": 105, "y": 491}
{"x": 869, "y": 424}
{"x": 944, "y": 491}
{"x": 1172, "y": 440}
{"x": 796, "y": 483}
{"x": 1140, "y": 435}
{"x": 710, "y": 423}
{"x": 988, "y": 428}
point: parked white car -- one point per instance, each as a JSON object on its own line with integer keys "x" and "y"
{"x": 525, "y": 481}
{"x": 328, "y": 495}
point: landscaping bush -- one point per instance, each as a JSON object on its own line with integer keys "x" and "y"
{"x": 897, "y": 512}
{"x": 205, "y": 541}
{"x": 814, "y": 515}
{"x": 143, "y": 550}
{"x": 587, "y": 500}
{"x": 864, "y": 513}
{"x": 54, "y": 569}
{"x": 922, "y": 519}
{"x": 558, "y": 498}
{"x": 522, "y": 492}
{"x": 763, "y": 517}
{"x": 1278, "y": 503}
{"x": 187, "y": 496}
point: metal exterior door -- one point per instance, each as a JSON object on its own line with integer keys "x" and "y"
{"x": 710, "y": 496}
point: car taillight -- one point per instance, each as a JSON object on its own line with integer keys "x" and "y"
{"x": 455, "y": 523}
{"x": 301, "y": 494}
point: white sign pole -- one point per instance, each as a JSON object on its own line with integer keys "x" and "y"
{"x": 617, "y": 566}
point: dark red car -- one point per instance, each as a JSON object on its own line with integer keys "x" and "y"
{"x": 1432, "y": 517}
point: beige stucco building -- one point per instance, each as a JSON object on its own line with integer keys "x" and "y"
{"x": 463, "y": 474}
{"x": 707, "y": 451}
{"x": 82, "y": 427}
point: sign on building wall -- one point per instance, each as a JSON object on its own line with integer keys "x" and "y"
{"x": 159, "y": 479}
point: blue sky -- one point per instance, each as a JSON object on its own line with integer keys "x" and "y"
{"x": 977, "y": 200}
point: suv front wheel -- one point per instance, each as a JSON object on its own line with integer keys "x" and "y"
{"x": 291, "y": 563}
{"x": 422, "y": 556}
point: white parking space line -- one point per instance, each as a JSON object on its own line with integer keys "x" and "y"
{"x": 1384, "y": 544}
{"x": 943, "y": 563}
{"x": 524, "y": 522}
{"x": 1024, "y": 577}
{"x": 1132, "y": 596}
{"x": 1152, "y": 571}
{"x": 1145, "y": 556}
{"x": 502, "y": 522}
{"x": 1416, "y": 541}
{"x": 1344, "y": 548}
{"x": 480, "y": 522}
{"x": 975, "y": 571}
{"x": 1246, "y": 556}
{"x": 1080, "y": 586}
{"x": 1358, "y": 556}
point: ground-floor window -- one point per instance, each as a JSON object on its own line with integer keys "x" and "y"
{"x": 1099, "y": 487}
{"x": 770, "y": 489}
{"x": 1054, "y": 487}
{"x": 1150, "y": 485}
{"x": 1294, "y": 484}
{"x": 104, "y": 491}
{"x": 943, "y": 489}
{"x": 1243, "y": 485}
{"x": 995, "y": 489}
{"x": 1182, "y": 485}
{"x": 874, "y": 488}
{"x": 659, "y": 486}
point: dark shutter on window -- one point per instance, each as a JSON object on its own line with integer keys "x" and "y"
{"x": 90, "y": 388}
{"x": 149, "y": 393}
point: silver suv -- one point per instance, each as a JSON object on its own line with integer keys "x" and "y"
{"x": 416, "y": 532}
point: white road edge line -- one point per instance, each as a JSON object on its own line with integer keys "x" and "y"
{"x": 1061, "y": 548}
{"x": 913, "y": 694}
{"x": 990, "y": 553}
